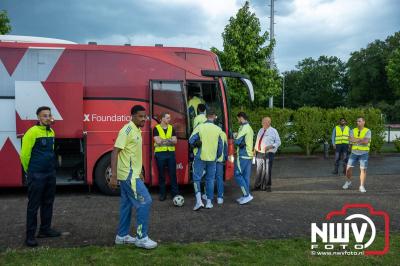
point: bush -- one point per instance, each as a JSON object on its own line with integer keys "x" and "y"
{"x": 309, "y": 128}
{"x": 280, "y": 120}
{"x": 313, "y": 126}
{"x": 396, "y": 143}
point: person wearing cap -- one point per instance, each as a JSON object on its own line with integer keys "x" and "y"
{"x": 206, "y": 138}
{"x": 340, "y": 142}
{"x": 39, "y": 163}
{"x": 266, "y": 146}
{"x": 165, "y": 140}
{"x": 244, "y": 155}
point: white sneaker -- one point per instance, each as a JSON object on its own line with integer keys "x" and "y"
{"x": 347, "y": 185}
{"x": 209, "y": 204}
{"x": 238, "y": 200}
{"x": 198, "y": 205}
{"x": 146, "y": 243}
{"x": 246, "y": 199}
{"x": 220, "y": 200}
{"x": 362, "y": 189}
{"x": 125, "y": 240}
{"x": 204, "y": 196}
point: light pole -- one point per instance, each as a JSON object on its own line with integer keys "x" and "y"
{"x": 283, "y": 91}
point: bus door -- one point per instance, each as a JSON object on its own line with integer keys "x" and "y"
{"x": 168, "y": 96}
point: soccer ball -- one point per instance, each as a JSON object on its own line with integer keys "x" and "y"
{"x": 178, "y": 200}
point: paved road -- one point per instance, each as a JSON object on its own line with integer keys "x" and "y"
{"x": 304, "y": 191}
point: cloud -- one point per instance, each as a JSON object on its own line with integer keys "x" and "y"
{"x": 303, "y": 28}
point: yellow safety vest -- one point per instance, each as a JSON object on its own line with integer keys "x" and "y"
{"x": 162, "y": 135}
{"x": 194, "y": 102}
{"x": 342, "y": 137}
{"x": 360, "y": 147}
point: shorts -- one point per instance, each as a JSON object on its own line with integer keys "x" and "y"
{"x": 354, "y": 158}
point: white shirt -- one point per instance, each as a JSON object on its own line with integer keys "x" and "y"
{"x": 271, "y": 137}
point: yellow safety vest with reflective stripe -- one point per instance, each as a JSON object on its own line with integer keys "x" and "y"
{"x": 342, "y": 137}
{"x": 357, "y": 146}
{"x": 162, "y": 135}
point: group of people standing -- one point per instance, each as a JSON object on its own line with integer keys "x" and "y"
{"x": 355, "y": 142}
{"x": 209, "y": 146}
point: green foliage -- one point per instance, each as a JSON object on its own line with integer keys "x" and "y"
{"x": 393, "y": 71}
{"x": 245, "y": 52}
{"x": 397, "y": 143}
{"x": 280, "y": 120}
{"x": 367, "y": 74}
{"x": 319, "y": 83}
{"x": 309, "y": 127}
{"x": 5, "y": 26}
{"x": 391, "y": 111}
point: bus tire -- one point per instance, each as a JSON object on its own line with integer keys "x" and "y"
{"x": 102, "y": 175}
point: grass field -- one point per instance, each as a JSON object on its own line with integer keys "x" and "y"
{"x": 267, "y": 252}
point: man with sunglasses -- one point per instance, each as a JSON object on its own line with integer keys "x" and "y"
{"x": 39, "y": 164}
{"x": 360, "y": 138}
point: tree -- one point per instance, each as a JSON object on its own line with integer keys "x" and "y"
{"x": 367, "y": 72}
{"x": 5, "y": 26}
{"x": 393, "y": 71}
{"x": 319, "y": 83}
{"x": 245, "y": 52}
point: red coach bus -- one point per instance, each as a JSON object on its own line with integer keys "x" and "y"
{"x": 90, "y": 89}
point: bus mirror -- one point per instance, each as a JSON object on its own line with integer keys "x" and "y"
{"x": 250, "y": 88}
{"x": 220, "y": 74}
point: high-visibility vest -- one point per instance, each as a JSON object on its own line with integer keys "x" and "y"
{"x": 162, "y": 135}
{"x": 356, "y": 135}
{"x": 194, "y": 102}
{"x": 342, "y": 137}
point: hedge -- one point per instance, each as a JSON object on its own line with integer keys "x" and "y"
{"x": 309, "y": 127}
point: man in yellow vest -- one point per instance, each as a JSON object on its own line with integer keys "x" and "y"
{"x": 360, "y": 138}
{"x": 207, "y": 138}
{"x": 193, "y": 103}
{"x": 340, "y": 142}
{"x": 164, "y": 148}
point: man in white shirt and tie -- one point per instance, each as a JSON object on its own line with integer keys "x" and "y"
{"x": 266, "y": 145}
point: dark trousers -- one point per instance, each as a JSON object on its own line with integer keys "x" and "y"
{"x": 167, "y": 159}
{"x": 263, "y": 178}
{"x": 341, "y": 151}
{"x": 41, "y": 193}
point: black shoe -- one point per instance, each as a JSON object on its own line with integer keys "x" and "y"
{"x": 49, "y": 233}
{"x": 31, "y": 242}
{"x": 256, "y": 189}
{"x": 162, "y": 197}
{"x": 268, "y": 189}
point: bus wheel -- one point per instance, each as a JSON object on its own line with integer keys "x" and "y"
{"x": 102, "y": 176}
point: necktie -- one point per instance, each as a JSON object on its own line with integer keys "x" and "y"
{"x": 259, "y": 141}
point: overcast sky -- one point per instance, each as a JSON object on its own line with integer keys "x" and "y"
{"x": 304, "y": 28}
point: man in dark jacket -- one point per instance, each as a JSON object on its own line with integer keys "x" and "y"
{"x": 38, "y": 161}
